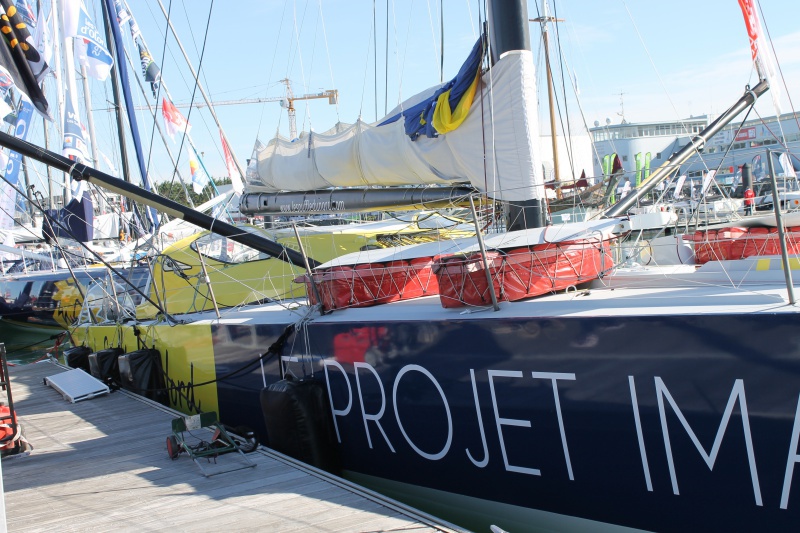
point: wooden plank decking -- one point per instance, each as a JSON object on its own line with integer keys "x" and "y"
{"x": 102, "y": 465}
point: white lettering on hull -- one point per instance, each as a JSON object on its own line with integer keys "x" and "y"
{"x": 424, "y": 372}
{"x": 792, "y": 459}
{"x": 639, "y": 435}
{"x": 485, "y": 461}
{"x": 508, "y": 422}
{"x": 373, "y": 413}
{"x": 373, "y": 417}
{"x": 337, "y": 412}
{"x": 737, "y": 394}
{"x": 554, "y": 377}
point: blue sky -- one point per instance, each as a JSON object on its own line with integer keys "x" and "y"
{"x": 668, "y": 59}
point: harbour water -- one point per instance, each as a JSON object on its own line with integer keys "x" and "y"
{"x": 26, "y": 345}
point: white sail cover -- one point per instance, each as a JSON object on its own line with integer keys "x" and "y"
{"x": 496, "y": 151}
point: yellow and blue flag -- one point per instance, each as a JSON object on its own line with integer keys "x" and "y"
{"x": 447, "y": 108}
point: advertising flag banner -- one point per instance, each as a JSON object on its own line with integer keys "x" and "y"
{"x": 199, "y": 177}
{"x": 19, "y": 59}
{"x": 233, "y": 172}
{"x": 760, "y": 50}
{"x": 173, "y": 120}
{"x": 90, "y": 46}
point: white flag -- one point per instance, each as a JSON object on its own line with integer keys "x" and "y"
{"x": 173, "y": 120}
{"x": 199, "y": 177}
{"x": 678, "y": 192}
{"x": 760, "y": 50}
{"x": 44, "y": 41}
{"x": 707, "y": 179}
{"x": 90, "y": 47}
{"x": 786, "y": 164}
{"x": 230, "y": 164}
{"x": 8, "y": 199}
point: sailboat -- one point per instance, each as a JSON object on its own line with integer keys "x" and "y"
{"x": 540, "y": 378}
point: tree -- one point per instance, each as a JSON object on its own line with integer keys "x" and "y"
{"x": 176, "y": 192}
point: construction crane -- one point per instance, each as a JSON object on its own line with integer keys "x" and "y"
{"x": 285, "y": 101}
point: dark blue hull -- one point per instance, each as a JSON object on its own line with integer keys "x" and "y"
{"x": 660, "y": 423}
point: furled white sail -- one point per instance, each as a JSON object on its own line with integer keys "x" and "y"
{"x": 495, "y": 149}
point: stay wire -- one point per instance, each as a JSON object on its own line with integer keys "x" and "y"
{"x": 568, "y": 127}
{"x": 272, "y": 65}
{"x": 196, "y": 83}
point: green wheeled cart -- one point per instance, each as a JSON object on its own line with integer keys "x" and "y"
{"x": 197, "y": 448}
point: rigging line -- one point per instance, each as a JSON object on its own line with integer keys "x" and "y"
{"x": 194, "y": 40}
{"x": 568, "y": 128}
{"x": 385, "y": 69}
{"x": 696, "y": 213}
{"x": 328, "y": 52}
{"x": 441, "y": 36}
{"x": 781, "y": 140}
{"x": 161, "y": 133}
{"x": 491, "y": 109}
{"x": 158, "y": 93}
{"x": 297, "y": 32}
{"x": 574, "y": 86}
{"x": 311, "y": 73}
{"x": 401, "y": 65}
{"x": 436, "y": 50}
{"x": 471, "y": 21}
{"x": 364, "y": 84}
{"x": 11, "y": 216}
{"x": 777, "y": 63}
{"x": 163, "y": 85}
{"x": 485, "y": 53}
{"x": 594, "y": 148}
{"x": 196, "y": 83}
{"x": 375, "y": 46}
{"x": 292, "y": 45}
{"x": 652, "y": 63}
{"x": 55, "y": 222}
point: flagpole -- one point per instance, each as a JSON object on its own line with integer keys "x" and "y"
{"x": 111, "y": 22}
{"x": 210, "y": 179}
{"x": 87, "y": 101}
{"x": 160, "y": 132}
{"x": 57, "y": 70}
{"x": 72, "y": 91}
{"x": 203, "y": 92}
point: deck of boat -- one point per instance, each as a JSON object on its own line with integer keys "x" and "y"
{"x": 102, "y": 465}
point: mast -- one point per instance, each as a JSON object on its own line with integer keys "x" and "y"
{"x": 71, "y": 94}
{"x": 508, "y": 31}
{"x": 50, "y": 201}
{"x": 58, "y": 73}
{"x": 111, "y": 20}
{"x": 123, "y": 148}
{"x": 551, "y": 98}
